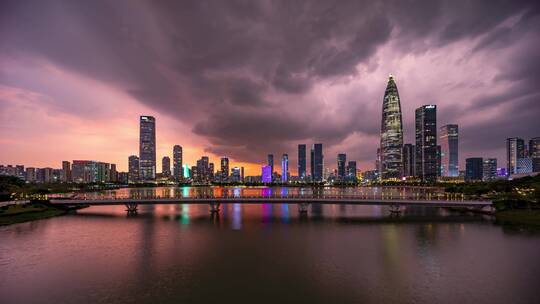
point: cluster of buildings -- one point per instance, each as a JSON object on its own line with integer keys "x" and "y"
{"x": 433, "y": 157}
{"x": 78, "y": 171}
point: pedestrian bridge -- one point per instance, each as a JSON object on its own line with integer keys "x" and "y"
{"x": 395, "y": 202}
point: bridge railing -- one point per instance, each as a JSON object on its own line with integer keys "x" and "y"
{"x": 232, "y": 196}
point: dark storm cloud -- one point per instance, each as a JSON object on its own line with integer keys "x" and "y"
{"x": 240, "y": 72}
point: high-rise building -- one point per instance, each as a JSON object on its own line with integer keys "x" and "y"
{"x": 285, "y": 168}
{"x": 341, "y": 160}
{"x": 351, "y": 170}
{"x": 489, "y": 169}
{"x": 235, "y": 175}
{"x": 211, "y": 171}
{"x": 524, "y": 165}
{"x": 113, "y": 174}
{"x": 515, "y": 149}
{"x": 474, "y": 169}
{"x": 31, "y": 174}
{"x": 534, "y": 153}
{"x": 302, "y": 161}
{"x": 391, "y": 133}
{"x": 177, "y": 163}
{"x": 408, "y": 160}
{"x": 426, "y": 143}
{"x": 166, "y": 166}
{"x": 449, "y": 150}
{"x": 224, "y": 168}
{"x": 317, "y": 160}
{"x": 271, "y": 162}
{"x": 66, "y": 171}
{"x": 133, "y": 169}
{"x": 266, "y": 174}
{"x": 103, "y": 172}
{"x": 147, "y": 149}
{"x": 242, "y": 174}
{"x": 87, "y": 171}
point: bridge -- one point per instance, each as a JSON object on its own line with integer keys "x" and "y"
{"x": 395, "y": 202}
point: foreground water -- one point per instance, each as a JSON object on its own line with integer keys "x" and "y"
{"x": 267, "y": 254}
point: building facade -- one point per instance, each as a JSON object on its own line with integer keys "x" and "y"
{"x": 489, "y": 169}
{"x": 147, "y": 149}
{"x": 474, "y": 169}
{"x": 285, "y": 168}
{"x": 515, "y": 149}
{"x": 408, "y": 160}
{"x": 178, "y": 172}
{"x": 133, "y": 169}
{"x": 449, "y": 140}
{"x": 426, "y": 143}
{"x": 166, "y": 166}
{"x": 302, "y": 161}
{"x": 341, "y": 165}
{"x": 317, "y": 160}
{"x": 391, "y": 133}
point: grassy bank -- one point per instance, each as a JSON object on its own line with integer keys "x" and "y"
{"x": 522, "y": 217}
{"x": 30, "y": 212}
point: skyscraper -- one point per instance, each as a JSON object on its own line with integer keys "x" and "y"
{"x": 317, "y": 162}
{"x": 224, "y": 168}
{"x": 177, "y": 163}
{"x": 147, "y": 148}
{"x": 391, "y": 133}
{"x": 408, "y": 160}
{"x": 133, "y": 169}
{"x": 449, "y": 150}
{"x": 351, "y": 170}
{"x": 266, "y": 174}
{"x": 341, "y": 160}
{"x": 271, "y": 162}
{"x": 534, "y": 153}
{"x": 302, "y": 161}
{"x": 515, "y": 149}
{"x": 285, "y": 168}
{"x": 166, "y": 166}
{"x": 474, "y": 169}
{"x": 489, "y": 169}
{"x": 66, "y": 171}
{"x": 426, "y": 143}
{"x": 113, "y": 173}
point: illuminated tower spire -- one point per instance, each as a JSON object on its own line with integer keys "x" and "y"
{"x": 391, "y": 133}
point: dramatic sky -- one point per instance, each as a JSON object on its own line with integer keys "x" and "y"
{"x": 247, "y": 78}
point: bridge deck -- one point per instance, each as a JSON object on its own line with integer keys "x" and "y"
{"x": 275, "y": 200}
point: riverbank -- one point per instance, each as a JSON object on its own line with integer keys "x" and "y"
{"x": 520, "y": 217}
{"x": 14, "y": 214}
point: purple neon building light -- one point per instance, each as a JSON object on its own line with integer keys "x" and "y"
{"x": 266, "y": 174}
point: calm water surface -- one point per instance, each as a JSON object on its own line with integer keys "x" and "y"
{"x": 267, "y": 254}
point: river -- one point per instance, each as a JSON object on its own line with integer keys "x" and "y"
{"x": 267, "y": 253}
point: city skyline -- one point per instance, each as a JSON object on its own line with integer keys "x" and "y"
{"x": 245, "y": 107}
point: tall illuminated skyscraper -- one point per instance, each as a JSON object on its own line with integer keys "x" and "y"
{"x": 391, "y": 133}
{"x": 166, "y": 166}
{"x": 147, "y": 148}
{"x": 285, "y": 168}
{"x": 341, "y": 160}
{"x": 449, "y": 150}
{"x": 408, "y": 160}
{"x": 271, "y": 162}
{"x": 133, "y": 169}
{"x": 317, "y": 159}
{"x": 224, "y": 168}
{"x": 178, "y": 173}
{"x": 515, "y": 150}
{"x": 534, "y": 153}
{"x": 302, "y": 161}
{"x": 426, "y": 143}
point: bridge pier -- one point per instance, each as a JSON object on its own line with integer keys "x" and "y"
{"x": 394, "y": 209}
{"x": 303, "y": 208}
{"x": 214, "y": 207}
{"x": 132, "y": 208}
